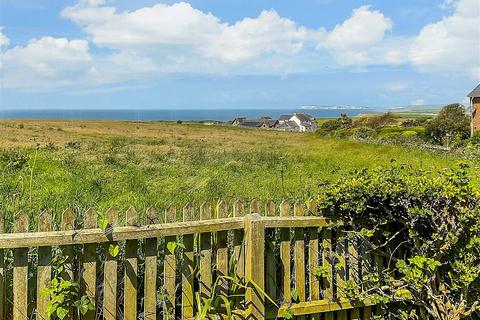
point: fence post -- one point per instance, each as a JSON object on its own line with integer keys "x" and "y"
{"x": 254, "y": 267}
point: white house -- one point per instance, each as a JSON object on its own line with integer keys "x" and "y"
{"x": 296, "y": 122}
{"x": 305, "y": 122}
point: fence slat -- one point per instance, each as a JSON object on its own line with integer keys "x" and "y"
{"x": 366, "y": 261}
{"x": 110, "y": 270}
{"x": 239, "y": 252}
{"x": 222, "y": 249}
{"x": 205, "y": 254}
{"x": 170, "y": 266}
{"x": 2, "y": 275}
{"x": 187, "y": 268}
{"x": 378, "y": 264}
{"x": 299, "y": 254}
{"x": 341, "y": 270}
{"x": 313, "y": 259}
{"x": 44, "y": 269}
{"x": 271, "y": 270}
{"x": 238, "y": 245}
{"x": 285, "y": 259}
{"x": 327, "y": 259}
{"x": 68, "y": 224}
{"x": 353, "y": 270}
{"x": 131, "y": 269}
{"x": 20, "y": 272}
{"x": 255, "y": 264}
{"x": 313, "y": 256}
{"x": 253, "y": 248}
{"x": 150, "y": 292}
{"x": 89, "y": 274}
{"x": 254, "y": 206}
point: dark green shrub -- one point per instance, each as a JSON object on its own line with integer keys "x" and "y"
{"x": 451, "y": 121}
{"x": 376, "y": 122}
{"x": 343, "y": 133}
{"x": 475, "y": 139}
{"x": 13, "y": 161}
{"x": 342, "y": 122}
{"x": 409, "y": 123}
{"x": 363, "y": 133}
{"x": 433, "y": 219}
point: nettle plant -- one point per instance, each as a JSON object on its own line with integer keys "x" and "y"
{"x": 426, "y": 226}
{"x": 64, "y": 295}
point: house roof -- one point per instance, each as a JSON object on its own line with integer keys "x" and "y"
{"x": 251, "y": 124}
{"x": 304, "y": 117}
{"x": 284, "y": 117}
{"x": 291, "y": 124}
{"x": 475, "y": 92}
{"x": 270, "y": 122}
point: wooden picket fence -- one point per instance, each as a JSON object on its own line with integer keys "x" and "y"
{"x": 276, "y": 248}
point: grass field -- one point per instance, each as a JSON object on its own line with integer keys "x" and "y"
{"x": 55, "y": 164}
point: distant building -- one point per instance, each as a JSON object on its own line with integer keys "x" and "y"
{"x": 305, "y": 122}
{"x": 269, "y": 123}
{"x": 475, "y": 107}
{"x": 287, "y": 125}
{"x": 299, "y": 122}
{"x": 263, "y": 122}
{"x": 237, "y": 121}
{"x": 283, "y": 118}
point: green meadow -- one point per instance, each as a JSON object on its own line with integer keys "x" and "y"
{"x": 47, "y": 164}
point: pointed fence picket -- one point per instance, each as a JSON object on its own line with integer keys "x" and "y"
{"x": 277, "y": 251}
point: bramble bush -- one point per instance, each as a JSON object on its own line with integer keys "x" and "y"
{"x": 426, "y": 226}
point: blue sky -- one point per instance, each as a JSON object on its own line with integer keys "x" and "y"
{"x": 237, "y": 53}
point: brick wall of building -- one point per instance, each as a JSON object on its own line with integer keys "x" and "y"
{"x": 476, "y": 118}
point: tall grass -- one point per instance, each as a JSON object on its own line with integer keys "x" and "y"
{"x": 117, "y": 170}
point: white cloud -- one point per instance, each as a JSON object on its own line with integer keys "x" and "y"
{"x": 47, "y": 61}
{"x": 451, "y": 45}
{"x": 251, "y": 37}
{"x": 161, "y": 24}
{"x": 178, "y": 38}
{"x": 179, "y": 28}
{"x": 352, "y": 40}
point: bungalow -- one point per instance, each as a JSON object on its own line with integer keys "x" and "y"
{"x": 263, "y": 122}
{"x": 297, "y": 122}
{"x": 269, "y": 123}
{"x": 475, "y": 107}
{"x": 305, "y": 122}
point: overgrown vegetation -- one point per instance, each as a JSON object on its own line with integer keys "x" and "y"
{"x": 450, "y": 128}
{"x": 115, "y": 164}
{"x": 425, "y": 228}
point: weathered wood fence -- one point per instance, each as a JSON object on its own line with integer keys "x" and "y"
{"x": 278, "y": 249}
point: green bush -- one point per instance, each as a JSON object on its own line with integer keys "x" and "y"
{"x": 451, "y": 121}
{"x": 343, "y": 133}
{"x": 363, "y": 133}
{"x": 433, "y": 220}
{"x": 376, "y": 122}
{"x": 342, "y": 122}
{"x": 12, "y": 161}
{"x": 475, "y": 139}
{"x": 409, "y": 123}
{"x": 391, "y": 129}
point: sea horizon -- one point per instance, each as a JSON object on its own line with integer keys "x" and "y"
{"x": 222, "y": 115}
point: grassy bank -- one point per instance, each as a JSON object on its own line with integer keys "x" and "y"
{"x": 81, "y": 164}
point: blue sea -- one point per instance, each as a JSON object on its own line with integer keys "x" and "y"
{"x": 170, "y": 115}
